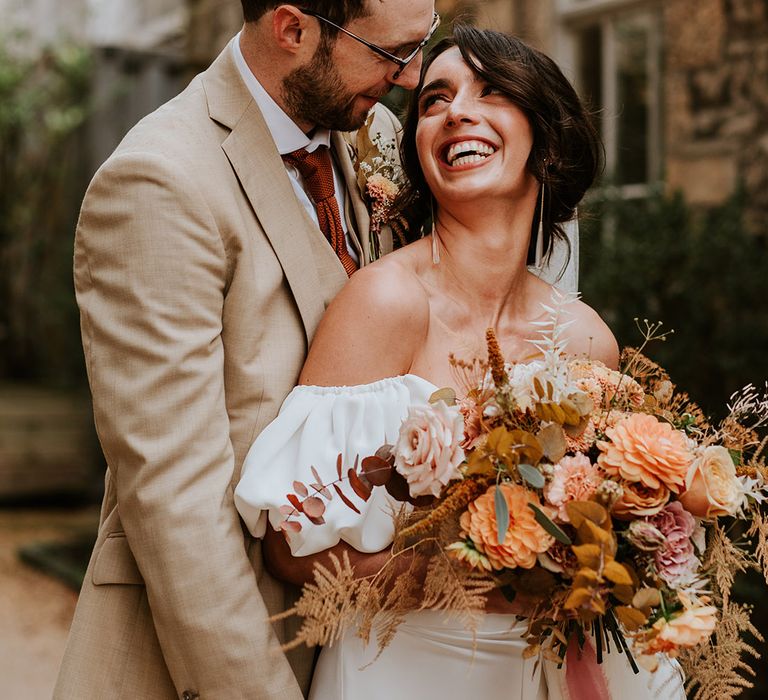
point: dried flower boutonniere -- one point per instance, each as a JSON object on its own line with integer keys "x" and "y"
{"x": 380, "y": 178}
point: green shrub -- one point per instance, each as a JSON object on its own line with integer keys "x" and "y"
{"x": 43, "y": 106}
{"x": 700, "y": 272}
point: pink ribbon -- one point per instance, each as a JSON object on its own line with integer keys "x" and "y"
{"x": 584, "y": 678}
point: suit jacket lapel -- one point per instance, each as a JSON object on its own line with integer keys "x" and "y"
{"x": 362, "y": 220}
{"x": 260, "y": 170}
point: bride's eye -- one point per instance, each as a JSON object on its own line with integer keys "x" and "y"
{"x": 428, "y": 100}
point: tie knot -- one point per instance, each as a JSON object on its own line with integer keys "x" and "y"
{"x": 316, "y": 171}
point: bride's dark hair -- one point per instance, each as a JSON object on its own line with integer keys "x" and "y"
{"x": 567, "y": 153}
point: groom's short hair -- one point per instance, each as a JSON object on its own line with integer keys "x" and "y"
{"x": 338, "y": 11}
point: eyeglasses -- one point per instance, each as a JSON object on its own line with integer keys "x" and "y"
{"x": 402, "y": 63}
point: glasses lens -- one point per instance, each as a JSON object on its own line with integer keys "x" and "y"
{"x": 408, "y": 57}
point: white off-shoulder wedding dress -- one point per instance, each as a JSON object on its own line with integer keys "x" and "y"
{"x": 432, "y": 655}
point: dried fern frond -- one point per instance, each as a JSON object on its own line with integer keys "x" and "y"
{"x": 718, "y": 669}
{"x": 328, "y": 605}
{"x": 450, "y": 586}
{"x": 725, "y": 559}
{"x": 383, "y": 620}
{"x": 759, "y": 527}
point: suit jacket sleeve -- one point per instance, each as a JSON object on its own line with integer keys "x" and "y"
{"x": 151, "y": 277}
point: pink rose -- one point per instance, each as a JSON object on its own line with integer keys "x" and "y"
{"x": 427, "y": 451}
{"x": 711, "y": 486}
{"x": 574, "y": 479}
{"x": 676, "y": 561}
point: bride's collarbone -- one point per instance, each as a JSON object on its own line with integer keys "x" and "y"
{"x": 516, "y": 345}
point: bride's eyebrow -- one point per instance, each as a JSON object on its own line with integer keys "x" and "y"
{"x": 434, "y": 86}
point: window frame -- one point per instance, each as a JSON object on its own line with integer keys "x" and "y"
{"x": 573, "y": 15}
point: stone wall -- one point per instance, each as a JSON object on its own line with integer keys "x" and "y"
{"x": 716, "y": 93}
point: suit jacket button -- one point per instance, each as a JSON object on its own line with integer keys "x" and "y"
{"x": 189, "y": 695}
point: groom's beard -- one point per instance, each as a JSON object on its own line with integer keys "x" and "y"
{"x": 315, "y": 94}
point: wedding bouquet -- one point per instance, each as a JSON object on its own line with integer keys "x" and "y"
{"x": 604, "y": 498}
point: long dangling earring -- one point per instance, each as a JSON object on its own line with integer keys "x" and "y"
{"x": 538, "y": 258}
{"x": 435, "y": 238}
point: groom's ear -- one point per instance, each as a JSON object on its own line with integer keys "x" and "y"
{"x": 294, "y": 31}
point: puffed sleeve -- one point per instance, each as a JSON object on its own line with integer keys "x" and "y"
{"x": 314, "y": 426}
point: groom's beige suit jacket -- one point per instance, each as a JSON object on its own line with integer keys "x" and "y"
{"x": 200, "y": 280}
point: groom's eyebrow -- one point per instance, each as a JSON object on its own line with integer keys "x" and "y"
{"x": 401, "y": 48}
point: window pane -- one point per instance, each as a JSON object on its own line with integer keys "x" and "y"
{"x": 631, "y": 35}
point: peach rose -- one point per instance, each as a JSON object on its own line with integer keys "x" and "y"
{"x": 524, "y": 539}
{"x": 711, "y": 486}
{"x": 639, "y": 500}
{"x": 643, "y": 449}
{"x": 427, "y": 451}
{"x": 693, "y": 626}
{"x": 687, "y": 629}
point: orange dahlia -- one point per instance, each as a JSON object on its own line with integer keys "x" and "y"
{"x": 525, "y": 538}
{"x": 643, "y": 449}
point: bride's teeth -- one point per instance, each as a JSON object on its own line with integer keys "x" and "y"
{"x": 475, "y": 150}
{"x": 473, "y": 158}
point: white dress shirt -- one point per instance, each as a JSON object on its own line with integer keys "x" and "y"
{"x": 289, "y": 137}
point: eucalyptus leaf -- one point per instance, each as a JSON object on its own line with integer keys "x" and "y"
{"x": 543, "y": 519}
{"x": 446, "y": 395}
{"x": 552, "y": 441}
{"x": 531, "y": 475}
{"x": 502, "y": 514}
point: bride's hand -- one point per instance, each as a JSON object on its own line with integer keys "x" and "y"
{"x": 496, "y": 602}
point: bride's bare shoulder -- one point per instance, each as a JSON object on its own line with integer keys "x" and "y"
{"x": 387, "y": 292}
{"x": 373, "y": 327}
{"x": 590, "y": 336}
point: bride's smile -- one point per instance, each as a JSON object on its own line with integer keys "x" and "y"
{"x": 463, "y": 152}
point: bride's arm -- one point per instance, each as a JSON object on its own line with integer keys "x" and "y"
{"x": 299, "y": 570}
{"x": 370, "y": 331}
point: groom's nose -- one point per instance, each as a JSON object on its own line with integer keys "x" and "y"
{"x": 409, "y": 76}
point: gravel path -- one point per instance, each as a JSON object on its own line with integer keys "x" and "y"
{"x": 35, "y": 610}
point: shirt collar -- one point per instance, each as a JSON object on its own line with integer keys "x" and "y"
{"x": 287, "y": 135}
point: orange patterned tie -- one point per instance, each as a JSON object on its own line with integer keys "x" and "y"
{"x": 317, "y": 171}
